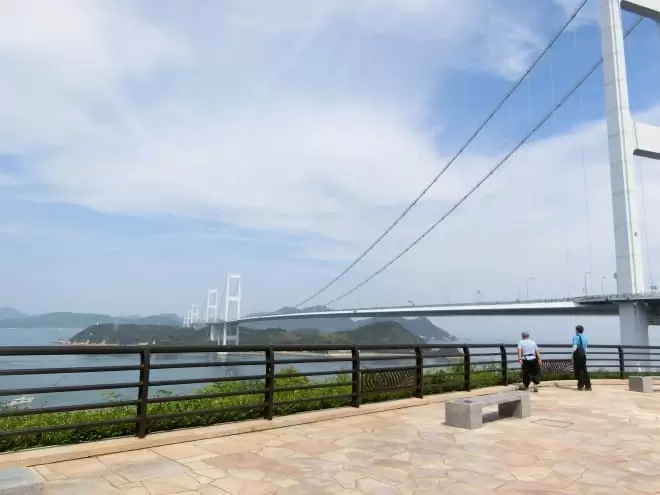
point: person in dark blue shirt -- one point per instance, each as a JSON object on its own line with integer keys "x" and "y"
{"x": 580, "y": 347}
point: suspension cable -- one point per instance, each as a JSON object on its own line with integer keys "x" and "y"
{"x": 540, "y": 124}
{"x": 476, "y": 133}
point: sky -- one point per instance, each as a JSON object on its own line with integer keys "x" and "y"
{"x": 148, "y": 148}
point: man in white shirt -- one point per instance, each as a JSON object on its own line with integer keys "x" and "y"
{"x": 529, "y": 358}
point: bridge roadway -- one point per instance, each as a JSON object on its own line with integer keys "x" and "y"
{"x": 606, "y": 305}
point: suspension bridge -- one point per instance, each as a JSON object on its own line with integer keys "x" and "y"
{"x": 636, "y": 305}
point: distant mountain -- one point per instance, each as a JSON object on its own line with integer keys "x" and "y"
{"x": 386, "y": 333}
{"x": 83, "y": 320}
{"x": 422, "y": 327}
{"x": 11, "y": 314}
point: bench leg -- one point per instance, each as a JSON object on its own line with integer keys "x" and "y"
{"x": 517, "y": 409}
{"x": 468, "y": 416}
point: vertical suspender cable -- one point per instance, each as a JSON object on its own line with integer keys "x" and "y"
{"x": 585, "y": 179}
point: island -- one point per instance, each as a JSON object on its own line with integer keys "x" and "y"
{"x": 390, "y": 333}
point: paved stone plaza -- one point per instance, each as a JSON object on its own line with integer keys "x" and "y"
{"x": 601, "y": 442}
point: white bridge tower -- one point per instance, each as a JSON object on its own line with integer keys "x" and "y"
{"x": 626, "y": 139}
{"x": 230, "y": 333}
{"x": 212, "y": 307}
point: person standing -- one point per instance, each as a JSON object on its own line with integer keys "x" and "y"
{"x": 529, "y": 358}
{"x": 580, "y": 347}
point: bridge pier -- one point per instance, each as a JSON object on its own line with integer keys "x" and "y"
{"x": 214, "y": 333}
{"x": 634, "y": 331}
{"x": 634, "y": 324}
{"x": 230, "y": 334}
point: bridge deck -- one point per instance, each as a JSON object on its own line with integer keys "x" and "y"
{"x": 601, "y": 442}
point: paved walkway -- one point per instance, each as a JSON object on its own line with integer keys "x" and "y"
{"x": 603, "y": 442}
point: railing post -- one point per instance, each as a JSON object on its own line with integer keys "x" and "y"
{"x": 419, "y": 373}
{"x": 467, "y": 369}
{"x": 356, "y": 383}
{"x": 143, "y": 393}
{"x": 622, "y": 364}
{"x": 269, "y": 395}
{"x": 505, "y": 365}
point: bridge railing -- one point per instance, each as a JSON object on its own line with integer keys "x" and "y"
{"x": 158, "y": 388}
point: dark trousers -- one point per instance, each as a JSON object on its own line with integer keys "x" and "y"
{"x": 581, "y": 373}
{"x": 530, "y": 371}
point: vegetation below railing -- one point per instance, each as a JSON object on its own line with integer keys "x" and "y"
{"x": 243, "y": 401}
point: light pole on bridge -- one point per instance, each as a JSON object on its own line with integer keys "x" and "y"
{"x": 529, "y": 279}
{"x": 586, "y": 289}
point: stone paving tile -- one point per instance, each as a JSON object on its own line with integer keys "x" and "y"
{"x": 601, "y": 442}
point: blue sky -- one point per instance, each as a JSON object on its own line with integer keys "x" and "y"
{"x": 147, "y": 149}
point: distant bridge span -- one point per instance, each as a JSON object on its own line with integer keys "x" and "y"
{"x": 587, "y": 306}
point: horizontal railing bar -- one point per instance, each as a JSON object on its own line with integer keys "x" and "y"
{"x": 295, "y": 388}
{"x": 206, "y": 365}
{"x": 192, "y": 381}
{"x": 61, "y": 371}
{"x": 459, "y": 360}
{"x": 431, "y": 387}
{"x": 216, "y": 395}
{"x": 312, "y": 373}
{"x": 443, "y": 366}
{"x": 63, "y": 409}
{"x": 314, "y": 360}
{"x": 383, "y": 370}
{"x": 201, "y": 349}
{"x": 398, "y": 388}
{"x": 72, "y": 388}
{"x": 200, "y": 412}
{"x": 311, "y": 399}
{"x": 388, "y": 357}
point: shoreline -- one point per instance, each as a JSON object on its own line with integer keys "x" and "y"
{"x": 331, "y": 354}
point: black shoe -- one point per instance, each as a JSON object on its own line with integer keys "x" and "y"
{"x": 580, "y": 388}
{"x": 588, "y": 389}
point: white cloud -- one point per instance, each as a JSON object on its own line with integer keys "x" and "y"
{"x": 63, "y": 67}
{"x": 298, "y": 118}
{"x": 292, "y": 157}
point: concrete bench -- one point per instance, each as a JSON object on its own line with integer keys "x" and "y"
{"x": 468, "y": 413}
{"x": 642, "y": 384}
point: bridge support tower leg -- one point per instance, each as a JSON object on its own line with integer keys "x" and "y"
{"x": 634, "y": 331}
{"x": 624, "y": 142}
{"x": 230, "y": 332}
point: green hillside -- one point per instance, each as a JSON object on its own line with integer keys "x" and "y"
{"x": 385, "y": 333}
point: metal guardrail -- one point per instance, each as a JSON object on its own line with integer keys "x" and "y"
{"x": 472, "y": 366}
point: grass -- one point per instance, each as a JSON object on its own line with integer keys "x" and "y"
{"x": 246, "y": 404}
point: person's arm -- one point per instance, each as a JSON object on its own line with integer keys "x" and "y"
{"x": 575, "y": 343}
{"x": 538, "y": 356}
{"x": 519, "y": 353}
